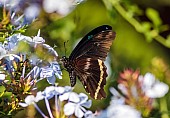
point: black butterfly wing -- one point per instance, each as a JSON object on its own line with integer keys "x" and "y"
{"x": 95, "y": 44}
{"x": 92, "y": 74}
{"x": 88, "y": 57}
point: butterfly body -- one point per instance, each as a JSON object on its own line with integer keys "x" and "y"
{"x": 87, "y": 61}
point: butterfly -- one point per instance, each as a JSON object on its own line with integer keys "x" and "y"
{"x": 87, "y": 61}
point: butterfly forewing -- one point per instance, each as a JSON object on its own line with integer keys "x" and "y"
{"x": 95, "y": 44}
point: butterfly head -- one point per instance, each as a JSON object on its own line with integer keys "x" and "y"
{"x": 64, "y": 59}
{"x": 66, "y": 63}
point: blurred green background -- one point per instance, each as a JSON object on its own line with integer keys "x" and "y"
{"x": 132, "y": 47}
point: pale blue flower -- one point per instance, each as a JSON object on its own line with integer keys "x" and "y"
{"x": 48, "y": 69}
{"x": 56, "y": 68}
{"x": 52, "y": 91}
{"x": 31, "y": 12}
{"x": 76, "y": 104}
{"x": 47, "y": 72}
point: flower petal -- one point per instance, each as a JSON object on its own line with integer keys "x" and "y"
{"x": 64, "y": 96}
{"x": 49, "y": 92}
{"x": 79, "y": 112}
{"x": 69, "y": 108}
{"x": 51, "y": 80}
{"x": 73, "y": 97}
{"x": 87, "y": 104}
{"x": 158, "y": 90}
{"x": 2, "y": 76}
{"x": 39, "y": 96}
{"x": 88, "y": 114}
{"x": 83, "y": 98}
{"x": 29, "y": 99}
{"x": 23, "y": 104}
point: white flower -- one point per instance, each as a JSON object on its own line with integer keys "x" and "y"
{"x": 122, "y": 111}
{"x": 2, "y": 76}
{"x": 31, "y": 99}
{"x": 63, "y": 7}
{"x": 60, "y": 6}
{"x": 152, "y": 87}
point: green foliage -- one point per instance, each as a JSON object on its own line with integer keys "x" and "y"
{"x": 153, "y": 15}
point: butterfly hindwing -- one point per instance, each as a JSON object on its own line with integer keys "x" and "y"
{"x": 92, "y": 74}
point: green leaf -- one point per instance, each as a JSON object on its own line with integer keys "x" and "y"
{"x": 146, "y": 26}
{"x": 153, "y": 15}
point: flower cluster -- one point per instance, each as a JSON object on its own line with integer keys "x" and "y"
{"x": 74, "y": 104}
{"x": 137, "y": 95}
{"x": 23, "y": 64}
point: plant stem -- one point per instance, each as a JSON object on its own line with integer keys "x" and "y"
{"x": 135, "y": 23}
{"x": 163, "y": 108}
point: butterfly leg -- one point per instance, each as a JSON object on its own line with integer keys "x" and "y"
{"x": 72, "y": 78}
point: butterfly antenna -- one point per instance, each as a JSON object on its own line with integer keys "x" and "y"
{"x": 65, "y": 47}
